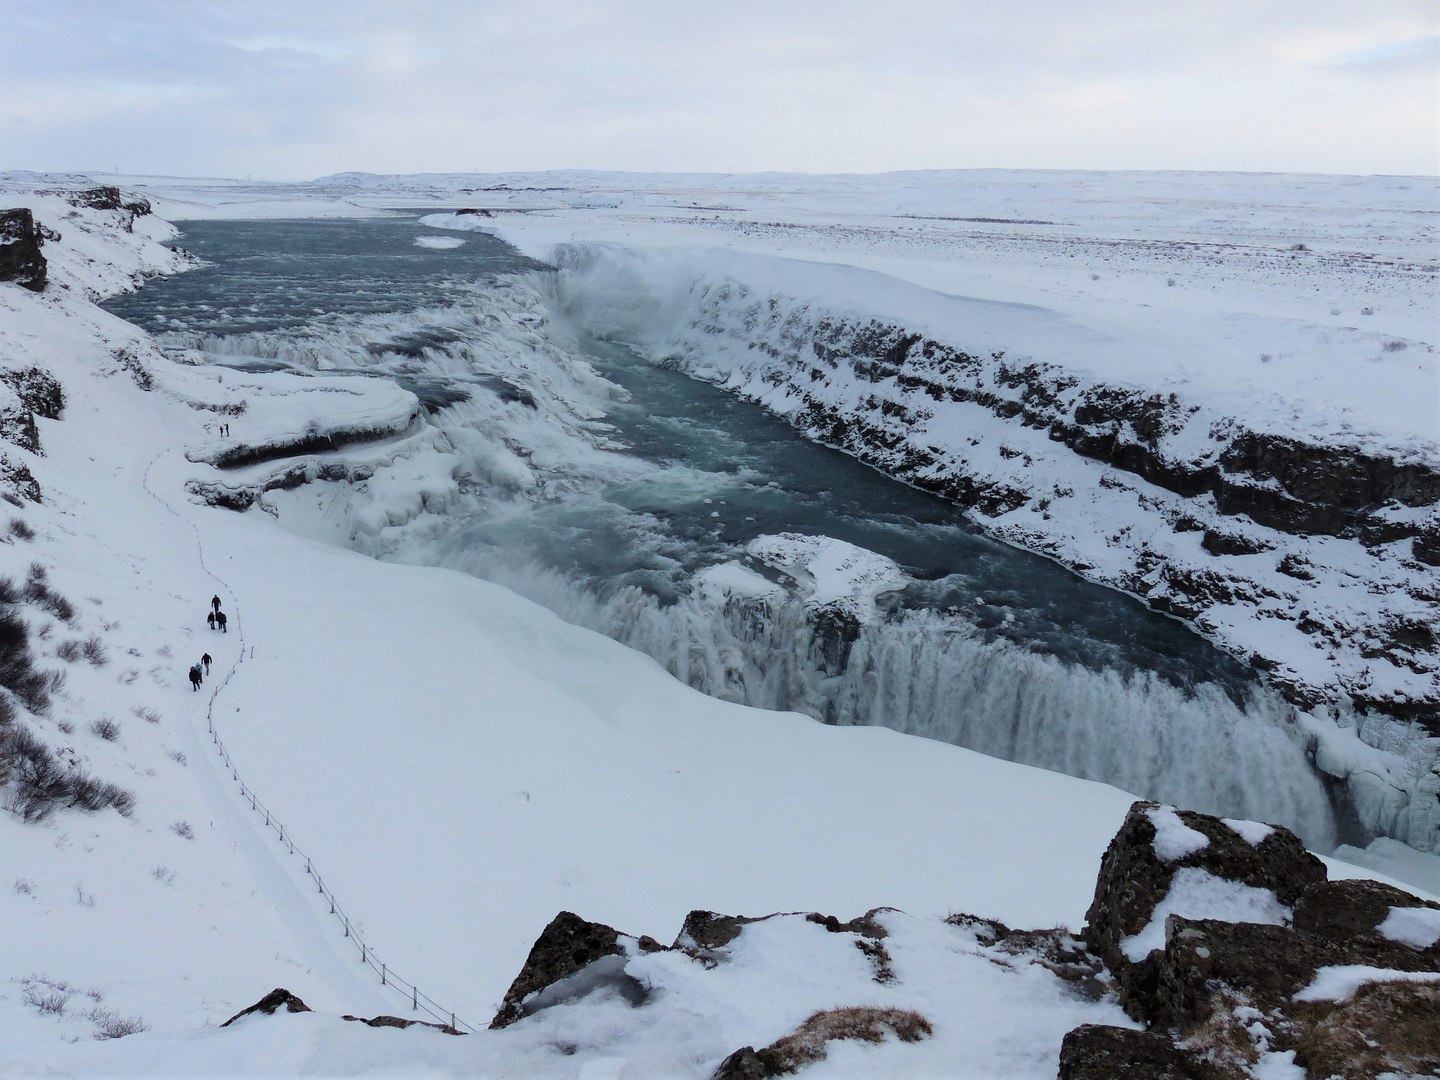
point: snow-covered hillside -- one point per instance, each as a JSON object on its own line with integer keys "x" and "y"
{"x": 453, "y": 762}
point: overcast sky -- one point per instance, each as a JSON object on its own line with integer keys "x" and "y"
{"x": 293, "y": 90}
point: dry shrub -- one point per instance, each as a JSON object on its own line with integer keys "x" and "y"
{"x": 94, "y": 650}
{"x": 39, "y": 784}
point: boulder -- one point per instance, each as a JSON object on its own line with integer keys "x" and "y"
{"x": 705, "y": 931}
{"x": 276, "y": 999}
{"x": 1153, "y": 844}
{"x": 571, "y": 958}
{"x": 1101, "y": 1052}
{"x": 1319, "y": 970}
{"x": 21, "y": 260}
{"x": 1208, "y": 965}
{"x": 1378, "y": 923}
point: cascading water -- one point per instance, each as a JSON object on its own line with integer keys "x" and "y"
{"x": 607, "y": 489}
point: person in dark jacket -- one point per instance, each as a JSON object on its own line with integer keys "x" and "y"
{"x": 214, "y": 603}
{"x": 220, "y": 621}
{"x": 195, "y": 677}
{"x": 206, "y": 661}
{"x": 210, "y": 618}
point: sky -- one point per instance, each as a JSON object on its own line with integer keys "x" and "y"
{"x": 305, "y": 88}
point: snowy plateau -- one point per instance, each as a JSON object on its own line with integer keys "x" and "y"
{"x": 1215, "y": 393}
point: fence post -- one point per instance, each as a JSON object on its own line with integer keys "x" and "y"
{"x": 414, "y": 999}
{"x": 382, "y": 975}
{"x": 362, "y": 952}
{"x": 347, "y": 921}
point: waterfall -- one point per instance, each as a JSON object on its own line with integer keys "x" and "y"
{"x": 936, "y": 675}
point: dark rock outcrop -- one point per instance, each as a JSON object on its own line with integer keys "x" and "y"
{"x": 40, "y": 391}
{"x": 1220, "y": 994}
{"x": 108, "y": 197}
{"x": 1101, "y": 1052}
{"x": 709, "y": 930}
{"x": 21, "y": 259}
{"x": 401, "y": 1022}
{"x": 1352, "y": 912}
{"x": 572, "y": 950}
{"x": 1134, "y": 878}
{"x": 276, "y": 999}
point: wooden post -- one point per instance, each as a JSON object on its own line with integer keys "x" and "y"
{"x": 382, "y": 975}
{"x": 414, "y": 999}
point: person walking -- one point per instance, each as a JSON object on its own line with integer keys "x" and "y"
{"x": 195, "y": 677}
{"x": 220, "y": 621}
{"x": 206, "y": 661}
{"x": 215, "y": 603}
{"x": 210, "y": 618}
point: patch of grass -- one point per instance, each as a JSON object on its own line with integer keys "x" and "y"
{"x": 182, "y": 829}
{"x": 70, "y": 650}
{"x": 83, "y": 898}
{"x": 177, "y": 756}
{"x": 148, "y": 715}
{"x": 163, "y": 874}
{"x": 106, "y": 728}
{"x": 20, "y": 529}
{"x": 866, "y": 1024}
{"x": 24, "y": 887}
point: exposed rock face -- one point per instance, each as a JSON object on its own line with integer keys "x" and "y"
{"x": 1220, "y": 994}
{"x": 568, "y": 948}
{"x": 108, "y": 197}
{"x": 1353, "y": 912}
{"x": 40, "y": 391}
{"x": 277, "y": 999}
{"x": 21, "y": 260}
{"x": 1100, "y": 1052}
{"x": 402, "y": 1023}
{"x": 1135, "y": 877}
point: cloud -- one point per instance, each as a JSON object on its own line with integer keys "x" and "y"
{"x": 305, "y": 89}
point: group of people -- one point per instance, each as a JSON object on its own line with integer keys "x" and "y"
{"x": 216, "y": 618}
{"x": 225, "y": 430}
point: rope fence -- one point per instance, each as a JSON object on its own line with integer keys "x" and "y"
{"x": 419, "y": 1001}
